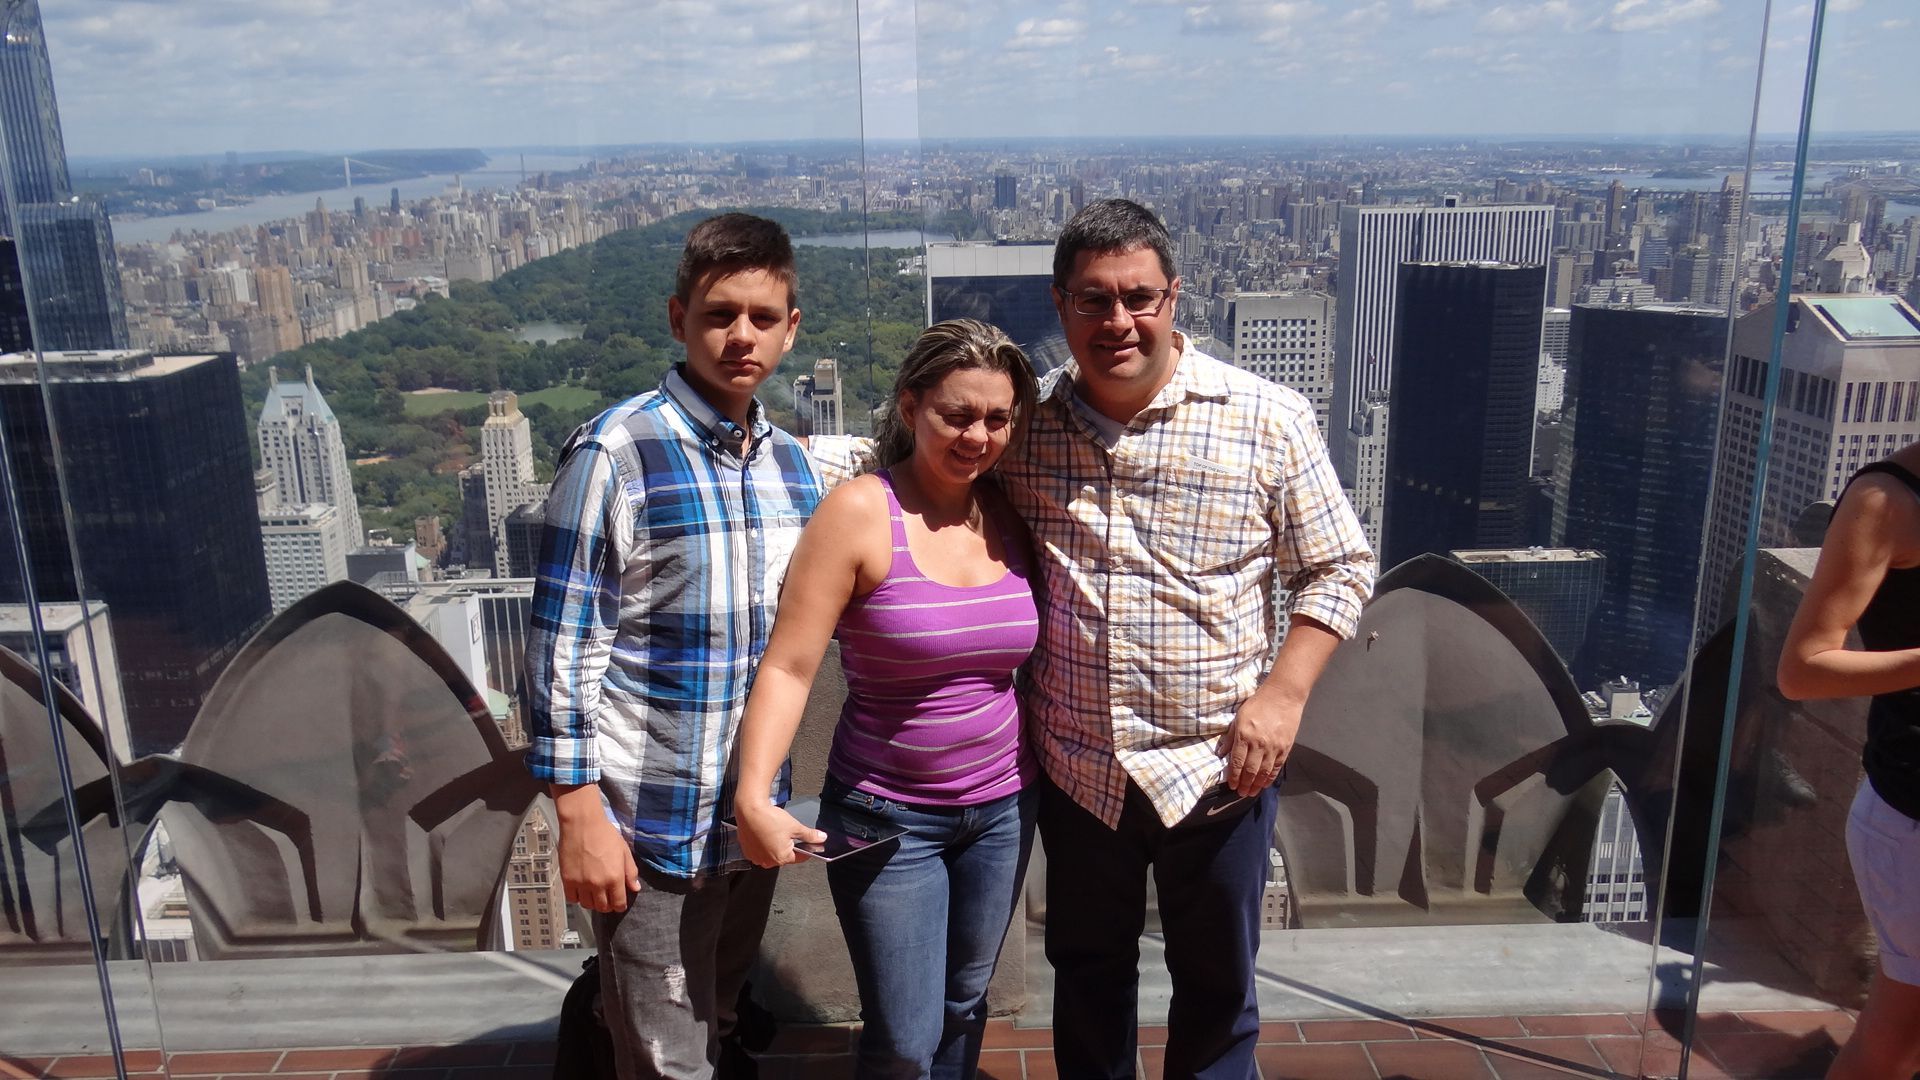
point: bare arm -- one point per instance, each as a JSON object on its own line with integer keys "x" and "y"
{"x": 1876, "y": 523}
{"x": 841, "y": 554}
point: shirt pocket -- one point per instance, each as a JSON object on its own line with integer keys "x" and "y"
{"x": 781, "y": 531}
{"x": 1204, "y": 518}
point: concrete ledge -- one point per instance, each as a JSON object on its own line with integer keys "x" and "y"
{"x": 448, "y": 999}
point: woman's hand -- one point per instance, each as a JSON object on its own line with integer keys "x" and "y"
{"x": 769, "y": 835}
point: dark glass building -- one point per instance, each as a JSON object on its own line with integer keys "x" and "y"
{"x": 1634, "y": 477}
{"x": 1558, "y": 588}
{"x": 160, "y": 469}
{"x": 522, "y": 529}
{"x": 1007, "y": 285}
{"x": 1004, "y": 197}
{"x": 65, "y": 241}
{"x": 1467, "y": 349}
{"x": 16, "y": 333}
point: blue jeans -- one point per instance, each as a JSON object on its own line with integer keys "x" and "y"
{"x": 924, "y": 920}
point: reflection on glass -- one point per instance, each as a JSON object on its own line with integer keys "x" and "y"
{"x": 1821, "y": 381}
{"x": 305, "y": 415}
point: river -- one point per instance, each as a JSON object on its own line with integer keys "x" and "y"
{"x": 502, "y": 171}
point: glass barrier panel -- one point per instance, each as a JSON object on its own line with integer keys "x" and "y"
{"x": 1822, "y": 381}
{"x": 61, "y": 866}
{"x": 79, "y": 998}
{"x": 320, "y": 300}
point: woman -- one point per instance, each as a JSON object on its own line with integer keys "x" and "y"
{"x": 1869, "y": 575}
{"x": 921, "y": 571}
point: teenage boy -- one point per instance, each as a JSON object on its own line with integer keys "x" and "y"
{"x": 668, "y": 530}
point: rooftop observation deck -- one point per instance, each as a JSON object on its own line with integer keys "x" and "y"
{"x": 1433, "y": 862}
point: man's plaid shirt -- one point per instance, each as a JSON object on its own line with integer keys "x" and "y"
{"x": 1160, "y": 562}
{"x": 659, "y": 570}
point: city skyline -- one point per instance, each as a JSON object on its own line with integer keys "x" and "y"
{"x": 208, "y": 78}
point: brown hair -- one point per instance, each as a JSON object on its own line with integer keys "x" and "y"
{"x": 1108, "y": 226}
{"x": 944, "y": 348}
{"x": 730, "y": 243}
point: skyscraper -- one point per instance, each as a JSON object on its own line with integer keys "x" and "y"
{"x": 300, "y": 442}
{"x": 506, "y": 456}
{"x": 1003, "y": 192}
{"x": 1374, "y": 241}
{"x": 1467, "y": 348}
{"x": 1849, "y": 395}
{"x": 1007, "y": 285}
{"x": 79, "y": 641}
{"x": 1368, "y": 433}
{"x": 472, "y": 541}
{"x": 1558, "y": 588}
{"x": 16, "y": 333}
{"x": 817, "y": 400}
{"x": 161, "y": 480}
{"x": 1283, "y": 337}
{"x": 1636, "y": 461}
{"x": 306, "y": 550}
{"x": 65, "y": 241}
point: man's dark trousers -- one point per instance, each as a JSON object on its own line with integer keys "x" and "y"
{"x": 1209, "y": 870}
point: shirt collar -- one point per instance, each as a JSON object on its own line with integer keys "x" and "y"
{"x": 714, "y": 427}
{"x": 1192, "y": 378}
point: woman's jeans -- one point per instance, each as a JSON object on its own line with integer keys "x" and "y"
{"x": 924, "y": 919}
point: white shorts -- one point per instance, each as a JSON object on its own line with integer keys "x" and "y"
{"x": 1884, "y": 845}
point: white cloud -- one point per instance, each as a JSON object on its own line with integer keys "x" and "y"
{"x": 1434, "y": 7}
{"x": 1524, "y": 18}
{"x": 1118, "y": 59}
{"x": 1628, "y": 16}
{"x": 1046, "y": 33}
{"x": 1368, "y": 15}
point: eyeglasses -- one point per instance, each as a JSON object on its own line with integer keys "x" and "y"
{"x": 1135, "y": 302}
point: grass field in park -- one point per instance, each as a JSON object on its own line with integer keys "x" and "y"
{"x": 432, "y": 402}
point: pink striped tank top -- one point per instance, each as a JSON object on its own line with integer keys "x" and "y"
{"x": 930, "y": 715}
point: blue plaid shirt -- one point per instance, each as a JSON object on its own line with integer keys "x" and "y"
{"x": 660, "y": 567}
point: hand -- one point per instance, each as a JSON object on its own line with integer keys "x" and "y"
{"x": 768, "y": 834}
{"x": 1258, "y": 741}
{"x": 596, "y": 862}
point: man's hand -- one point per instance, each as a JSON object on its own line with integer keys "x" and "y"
{"x": 1259, "y": 740}
{"x": 1262, "y": 733}
{"x": 768, "y": 834}
{"x": 596, "y": 862}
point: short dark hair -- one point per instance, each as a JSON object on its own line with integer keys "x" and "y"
{"x": 732, "y": 242}
{"x": 1107, "y": 226}
{"x": 944, "y": 348}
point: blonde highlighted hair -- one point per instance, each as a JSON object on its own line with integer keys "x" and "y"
{"x": 944, "y": 348}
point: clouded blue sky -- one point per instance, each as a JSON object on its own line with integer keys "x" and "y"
{"x": 194, "y": 76}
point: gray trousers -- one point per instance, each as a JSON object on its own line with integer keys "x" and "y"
{"x": 671, "y": 967}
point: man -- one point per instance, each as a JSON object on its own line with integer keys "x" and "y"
{"x": 668, "y": 530}
{"x": 1167, "y": 493}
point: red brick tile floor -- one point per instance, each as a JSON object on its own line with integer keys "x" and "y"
{"x": 1746, "y": 1046}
